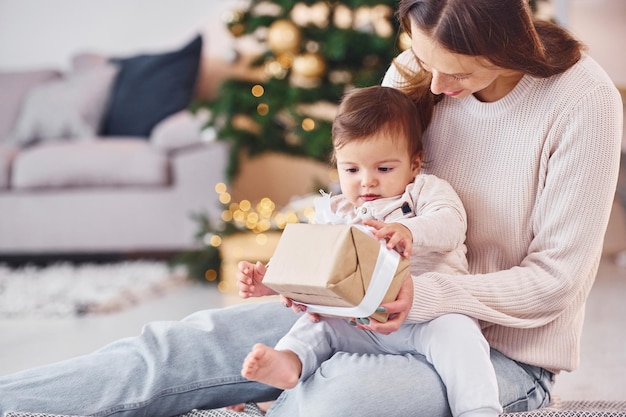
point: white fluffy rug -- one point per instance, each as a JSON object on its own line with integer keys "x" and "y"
{"x": 65, "y": 289}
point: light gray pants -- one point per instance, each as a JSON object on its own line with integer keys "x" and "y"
{"x": 452, "y": 343}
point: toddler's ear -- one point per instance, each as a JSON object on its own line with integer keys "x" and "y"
{"x": 416, "y": 166}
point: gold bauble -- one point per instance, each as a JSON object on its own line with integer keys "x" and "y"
{"x": 309, "y": 65}
{"x": 246, "y": 123}
{"x": 236, "y": 29}
{"x": 343, "y": 17}
{"x": 234, "y": 22}
{"x": 317, "y": 14}
{"x": 404, "y": 41}
{"x": 283, "y": 36}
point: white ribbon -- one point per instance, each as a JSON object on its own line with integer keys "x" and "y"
{"x": 384, "y": 271}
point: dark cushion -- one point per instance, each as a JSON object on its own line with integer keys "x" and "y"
{"x": 150, "y": 87}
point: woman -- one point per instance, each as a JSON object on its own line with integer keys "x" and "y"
{"x": 528, "y": 132}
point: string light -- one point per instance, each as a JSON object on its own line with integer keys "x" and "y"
{"x": 263, "y": 109}
{"x": 308, "y": 124}
{"x": 220, "y": 188}
{"x": 257, "y": 219}
{"x": 210, "y": 275}
{"x": 258, "y": 90}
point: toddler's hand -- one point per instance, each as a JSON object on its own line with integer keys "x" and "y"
{"x": 397, "y": 235}
{"x": 250, "y": 280}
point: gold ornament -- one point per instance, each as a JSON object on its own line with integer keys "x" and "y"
{"x": 275, "y": 69}
{"x": 309, "y": 65}
{"x": 316, "y": 14}
{"x": 283, "y": 36}
{"x": 340, "y": 77}
{"x": 246, "y": 123}
{"x": 234, "y": 22}
{"x": 375, "y": 19}
{"x": 343, "y": 17}
{"x": 404, "y": 41}
{"x": 381, "y": 19}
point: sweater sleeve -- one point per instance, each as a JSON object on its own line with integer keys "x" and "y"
{"x": 577, "y": 178}
{"x": 440, "y": 222}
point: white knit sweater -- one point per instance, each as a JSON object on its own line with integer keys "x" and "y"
{"x": 536, "y": 172}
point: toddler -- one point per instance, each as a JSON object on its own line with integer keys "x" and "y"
{"x": 378, "y": 152}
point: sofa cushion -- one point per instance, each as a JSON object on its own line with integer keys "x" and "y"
{"x": 14, "y": 87}
{"x": 72, "y": 107}
{"x": 150, "y": 88}
{"x": 88, "y": 60}
{"x": 180, "y": 130}
{"x": 121, "y": 162}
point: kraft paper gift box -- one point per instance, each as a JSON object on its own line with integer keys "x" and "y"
{"x": 331, "y": 268}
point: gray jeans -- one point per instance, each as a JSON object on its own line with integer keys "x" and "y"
{"x": 173, "y": 367}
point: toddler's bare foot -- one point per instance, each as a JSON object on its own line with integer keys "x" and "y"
{"x": 278, "y": 368}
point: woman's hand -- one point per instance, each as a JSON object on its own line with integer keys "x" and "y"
{"x": 250, "y": 280}
{"x": 398, "y": 311}
{"x": 299, "y": 308}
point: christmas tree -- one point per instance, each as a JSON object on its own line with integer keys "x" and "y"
{"x": 312, "y": 52}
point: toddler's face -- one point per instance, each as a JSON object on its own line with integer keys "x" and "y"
{"x": 374, "y": 168}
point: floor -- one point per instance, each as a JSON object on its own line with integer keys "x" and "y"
{"x": 601, "y": 375}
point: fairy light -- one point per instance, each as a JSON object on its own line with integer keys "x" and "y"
{"x": 285, "y": 60}
{"x": 292, "y": 217}
{"x": 227, "y": 216}
{"x": 309, "y": 213}
{"x": 252, "y": 220}
{"x": 210, "y": 275}
{"x": 260, "y": 220}
{"x": 281, "y": 220}
{"x": 239, "y": 216}
{"x": 245, "y": 205}
{"x": 215, "y": 241}
{"x": 225, "y": 198}
{"x": 264, "y": 225}
{"x": 258, "y": 90}
{"x": 211, "y": 239}
{"x": 263, "y": 109}
{"x": 220, "y": 188}
{"x": 257, "y": 219}
{"x": 308, "y": 124}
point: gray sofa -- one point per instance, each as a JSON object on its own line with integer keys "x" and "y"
{"x": 105, "y": 158}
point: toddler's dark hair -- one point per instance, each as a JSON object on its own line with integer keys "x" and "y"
{"x": 364, "y": 112}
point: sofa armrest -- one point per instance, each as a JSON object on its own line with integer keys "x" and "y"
{"x": 180, "y": 130}
{"x": 195, "y": 171}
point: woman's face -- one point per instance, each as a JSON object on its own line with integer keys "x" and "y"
{"x": 458, "y": 75}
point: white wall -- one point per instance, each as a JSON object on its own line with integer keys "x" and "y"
{"x": 38, "y": 33}
{"x": 46, "y": 33}
{"x": 601, "y": 24}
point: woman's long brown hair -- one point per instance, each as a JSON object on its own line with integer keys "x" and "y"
{"x": 501, "y": 31}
